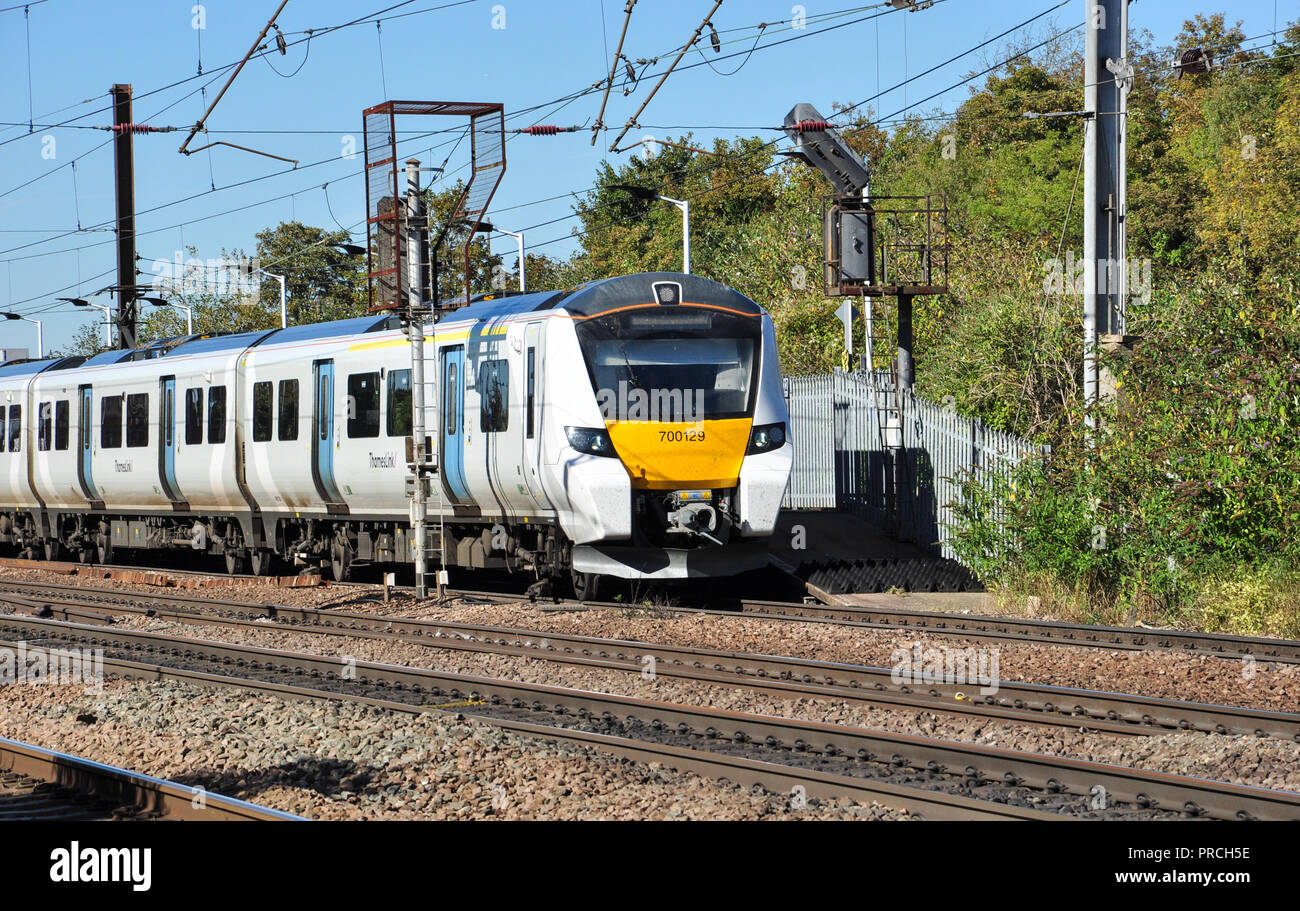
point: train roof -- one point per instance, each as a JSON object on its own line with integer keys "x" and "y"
{"x": 607, "y": 294}
{"x": 304, "y": 333}
{"x": 28, "y": 368}
{"x": 314, "y": 331}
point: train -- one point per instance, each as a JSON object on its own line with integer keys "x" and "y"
{"x": 633, "y": 427}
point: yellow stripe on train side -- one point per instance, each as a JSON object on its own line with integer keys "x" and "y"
{"x": 672, "y": 456}
{"x": 454, "y": 336}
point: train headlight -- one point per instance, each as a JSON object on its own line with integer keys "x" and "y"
{"x": 591, "y": 440}
{"x": 766, "y": 437}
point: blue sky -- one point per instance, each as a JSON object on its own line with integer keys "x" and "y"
{"x": 546, "y": 50}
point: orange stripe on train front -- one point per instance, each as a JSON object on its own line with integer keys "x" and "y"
{"x": 673, "y": 455}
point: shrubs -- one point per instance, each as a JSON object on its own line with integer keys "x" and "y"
{"x": 1192, "y": 482}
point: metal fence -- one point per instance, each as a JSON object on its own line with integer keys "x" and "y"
{"x": 864, "y": 446}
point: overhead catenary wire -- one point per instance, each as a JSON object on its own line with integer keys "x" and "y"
{"x": 571, "y": 98}
{"x": 613, "y": 68}
{"x": 664, "y": 78}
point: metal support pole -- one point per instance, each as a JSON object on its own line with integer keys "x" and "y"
{"x": 686, "y": 237}
{"x": 868, "y": 310}
{"x": 1106, "y": 79}
{"x": 284, "y": 308}
{"x": 417, "y": 251}
{"x": 906, "y": 370}
{"x": 685, "y": 206}
{"x": 124, "y": 169}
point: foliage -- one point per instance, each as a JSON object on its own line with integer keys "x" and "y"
{"x": 323, "y": 282}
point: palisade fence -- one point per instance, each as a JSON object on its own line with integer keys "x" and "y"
{"x": 864, "y": 446}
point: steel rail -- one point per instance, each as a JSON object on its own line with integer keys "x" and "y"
{"x": 104, "y": 791}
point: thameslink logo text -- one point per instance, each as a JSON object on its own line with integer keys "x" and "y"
{"x": 76, "y": 864}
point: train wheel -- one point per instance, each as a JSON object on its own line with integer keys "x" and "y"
{"x": 86, "y": 554}
{"x": 260, "y": 562}
{"x": 586, "y": 586}
{"x": 234, "y": 562}
{"x": 53, "y": 550}
{"x": 340, "y": 560}
{"x": 105, "y": 550}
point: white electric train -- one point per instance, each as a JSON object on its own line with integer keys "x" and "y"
{"x": 632, "y": 427}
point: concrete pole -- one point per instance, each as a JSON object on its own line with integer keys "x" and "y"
{"x": 417, "y": 251}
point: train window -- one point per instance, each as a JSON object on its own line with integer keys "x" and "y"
{"x": 83, "y": 419}
{"x": 137, "y": 419}
{"x": 449, "y": 406}
{"x": 288, "y": 410}
{"x": 529, "y": 421}
{"x": 110, "y": 422}
{"x": 61, "y": 424}
{"x": 167, "y": 424}
{"x": 262, "y": 394}
{"x": 363, "y": 405}
{"x": 2, "y": 430}
{"x": 15, "y": 428}
{"x": 217, "y": 415}
{"x": 44, "y": 426}
{"x": 193, "y": 417}
{"x": 494, "y": 396}
{"x": 399, "y": 403}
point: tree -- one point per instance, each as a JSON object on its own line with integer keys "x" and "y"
{"x": 323, "y": 282}
{"x": 486, "y": 271}
{"x": 221, "y": 295}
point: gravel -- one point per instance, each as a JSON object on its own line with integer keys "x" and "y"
{"x": 329, "y": 760}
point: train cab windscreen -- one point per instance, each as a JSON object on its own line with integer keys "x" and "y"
{"x": 689, "y": 363}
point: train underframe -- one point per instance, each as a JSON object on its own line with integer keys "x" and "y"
{"x": 260, "y": 545}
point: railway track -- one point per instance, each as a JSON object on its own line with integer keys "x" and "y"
{"x": 936, "y": 778}
{"x": 937, "y": 623}
{"x": 782, "y": 676}
{"x": 968, "y": 626}
{"x": 45, "y": 785}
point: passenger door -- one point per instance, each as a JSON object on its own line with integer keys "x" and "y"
{"x": 452, "y": 432}
{"x": 322, "y": 437}
{"x": 167, "y": 434}
{"x": 533, "y": 411}
{"x": 85, "y": 450}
